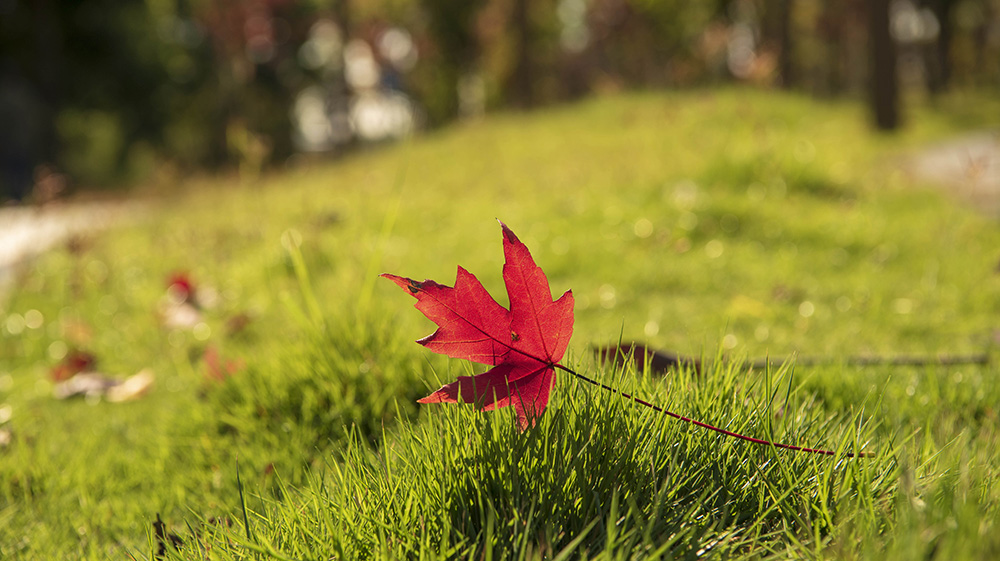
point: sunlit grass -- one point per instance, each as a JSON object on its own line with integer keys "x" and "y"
{"x": 600, "y": 477}
{"x": 754, "y": 223}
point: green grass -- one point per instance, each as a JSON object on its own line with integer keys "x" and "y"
{"x": 731, "y": 222}
{"x": 597, "y": 475}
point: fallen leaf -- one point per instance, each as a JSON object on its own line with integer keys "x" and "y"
{"x": 87, "y": 384}
{"x": 72, "y": 364}
{"x": 524, "y": 344}
{"x": 638, "y": 353}
{"x": 181, "y": 287}
{"x": 214, "y": 367}
{"x": 133, "y": 387}
{"x": 94, "y": 386}
{"x": 238, "y": 323}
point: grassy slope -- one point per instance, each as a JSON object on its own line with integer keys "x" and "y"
{"x": 770, "y": 224}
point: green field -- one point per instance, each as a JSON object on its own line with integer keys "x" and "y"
{"x": 731, "y": 224}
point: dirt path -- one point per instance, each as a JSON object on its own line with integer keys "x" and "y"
{"x": 26, "y": 232}
{"x": 968, "y": 167}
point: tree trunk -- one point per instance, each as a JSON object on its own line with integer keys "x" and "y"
{"x": 48, "y": 72}
{"x": 521, "y": 82}
{"x": 883, "y": 80}
{"x": 785, "y": 66}
{"x": 342, "y": 13}
{"x": 939, "y": 55}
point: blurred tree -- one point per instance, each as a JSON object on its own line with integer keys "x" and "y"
{"x": 253, "y": 74}
{"x": 884, "y": 83}
{"x": 649, "y": 42}
{"x": 522, "y": 79}
{"x": 96, "y": 65}
{"x": 343, "y": 14}
{"x": 22, "y": 132}
{"x": 533, "y": 75}
{"x": 777, "y": 30}
{"x": 939, "y": 58}
{"x": 122, "y": 86}
{"x": 831, "y": 29}
{"x": 451, "y": 25}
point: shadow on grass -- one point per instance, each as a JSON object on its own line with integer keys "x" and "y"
{"x": 602, "y": 476}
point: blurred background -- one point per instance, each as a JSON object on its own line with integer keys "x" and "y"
{"x": 103, "y": 94}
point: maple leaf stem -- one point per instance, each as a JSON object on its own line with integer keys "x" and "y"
{"x": 705, "y": 425}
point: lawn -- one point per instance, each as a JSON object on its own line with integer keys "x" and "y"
{"x": 729, "y": 225}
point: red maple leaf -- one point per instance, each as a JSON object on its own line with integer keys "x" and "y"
{"x": 523, "y": 344}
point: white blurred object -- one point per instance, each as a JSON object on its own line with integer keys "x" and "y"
{"x": 575, "y": 35}
{"x": 132, "y": 387}
{"x": 28, "y": 231}
{"x": 369, "y": 104}
{"x": 741, "y": 51}
{"x": 94, "y": 386}
{"x": 319, "y": 125}
{"x": 471, "y": 95}
{"x": 396, "y": 46}
{"x": 910, "y": 24}
{"x": 382, "y": 116}
{"x": 361, "y": 70}
{"x": 182, "y": 315}
{"x": 88, "y": 384}
{"x": 323, "y": 50}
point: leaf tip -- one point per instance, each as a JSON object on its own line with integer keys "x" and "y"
{"x": 508, "y": 234}
{"x": 447, "y": 393}
{"x": 409, "y": 284}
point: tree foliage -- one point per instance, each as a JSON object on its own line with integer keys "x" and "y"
{"x": 122, "y": 89}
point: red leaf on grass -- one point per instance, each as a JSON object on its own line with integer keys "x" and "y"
{"x": 524, "y": 344}
{"x": 216, "y": 369}
{"x": 181, "y": 284}
{"x": 72, "y": 364}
